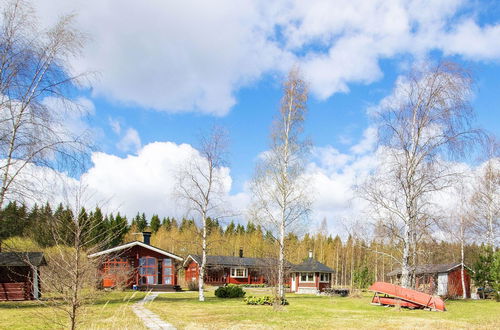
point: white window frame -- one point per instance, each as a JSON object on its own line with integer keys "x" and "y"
{"x": 307, "y": 276}
{"x": 234, "y": 272}
{"x": 323, "y": 275}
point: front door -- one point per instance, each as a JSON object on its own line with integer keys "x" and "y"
{"x": 293, "y": 286}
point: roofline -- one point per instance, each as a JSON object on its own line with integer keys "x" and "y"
{"x": 186, "y": 260}
{"x": 134, "y": 243}
{"x": 398, "y": 272}
{"x": 459, "y": 264}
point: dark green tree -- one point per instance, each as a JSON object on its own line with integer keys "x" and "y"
{"x": 155, "y": 223}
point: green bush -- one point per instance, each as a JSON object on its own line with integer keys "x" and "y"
{"x": 263, "y": 300}
{"x": 229, "y": 291}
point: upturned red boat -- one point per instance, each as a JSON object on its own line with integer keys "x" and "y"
{"x": 392, "y": 295}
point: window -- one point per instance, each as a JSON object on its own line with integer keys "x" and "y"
{"x": 324, "y": 277}
{"x": 238, "y": 272}
{"x": 148, "y": 270}
{"x": 307, "y": 277}
{"x": 168, "y": 271}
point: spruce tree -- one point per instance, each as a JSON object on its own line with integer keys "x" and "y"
{"x": 155, "y": 223}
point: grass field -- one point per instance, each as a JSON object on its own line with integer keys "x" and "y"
{"x": 113, "y": 311}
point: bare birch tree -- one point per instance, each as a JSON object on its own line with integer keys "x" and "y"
{"x": 70, "y": 276}
{"x": 202, "y": 187}
{"x": 279, "y": 187}
{"x": 427, "y": 121}
{"x": 35, "y": 74}
{"x": 486, "y": 197}
{"x": 458, "y": 225}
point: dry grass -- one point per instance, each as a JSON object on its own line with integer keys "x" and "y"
{"x": 112, "y": 311}
{"x": 308, "y": 312}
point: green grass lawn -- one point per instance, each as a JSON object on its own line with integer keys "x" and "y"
{"x": 112, "y": 311}
{"x": 308, "y": 312}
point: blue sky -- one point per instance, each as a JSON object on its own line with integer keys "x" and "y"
{"x": 169, "y": 69}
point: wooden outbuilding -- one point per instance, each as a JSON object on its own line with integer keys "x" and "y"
{"x": 310, "y": 276}
{"x": 139, "y": 264}
{"x": 442, "y": 279}
{"x": 228, "y": 269}
{"x": 20, "y": 275}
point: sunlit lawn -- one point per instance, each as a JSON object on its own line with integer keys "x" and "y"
{"x": 308, "y": 311}
{"x": 112, "y": 311}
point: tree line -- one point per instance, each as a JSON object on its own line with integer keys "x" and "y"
{"x": 357, "y": 261}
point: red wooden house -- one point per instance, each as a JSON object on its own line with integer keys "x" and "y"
{"x": 442, "y": 279}
{"x": 20, "y": 275}
{"x": 228, "y": 269}
{"x": 139, "y": 264}
{"x": 310, "y": 276}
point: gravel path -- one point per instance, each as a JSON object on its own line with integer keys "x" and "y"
{"x": 150, "y": 319}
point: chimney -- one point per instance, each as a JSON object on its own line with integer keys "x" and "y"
{"x": 147, "y": 237}
{"x": 310, "y": 254}
{"x": 241, "y": 252}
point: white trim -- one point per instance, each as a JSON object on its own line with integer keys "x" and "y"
{"x": 131, "y": 244}
{"x": 314, "y": 277}
{"x": 187, "y": 259}
{"x": 245, "y": 270}
{"x": 36, "y": 289}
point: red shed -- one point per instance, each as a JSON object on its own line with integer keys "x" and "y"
{"x": 20, "y": 275}
{"x": 140, "y": 264}
{"x": 310, "y": 276}
{"x": 441, "y": 279}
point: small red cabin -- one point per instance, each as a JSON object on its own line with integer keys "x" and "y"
{"x": 442, "y": 279}
{"x": 20, "y": 275}
{"x": 228, "y": 269}
{"x": 310, "y": 276}
{"x": 138, "y": 264}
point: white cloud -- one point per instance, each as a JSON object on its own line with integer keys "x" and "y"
{"x": 367, "y": 143}
{"x": 193, "y": 56}
{"x": 130, "y": 142}
{"x": 143, "y": 183}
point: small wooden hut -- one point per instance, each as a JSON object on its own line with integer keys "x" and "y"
{"x": 310, "y": 276}
{"x": 20, "y": 275}
{"x": 442, "y": 279}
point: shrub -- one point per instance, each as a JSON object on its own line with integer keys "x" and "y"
{"x": 193, "y": 286}
{"x": 263, "y": 300}
{"x": 229, "y": 291}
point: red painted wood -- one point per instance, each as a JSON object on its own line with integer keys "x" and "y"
{"x": 133, "y": 255}
{"x": 455, "y": 283}
{"x": 15, "y": 291}
{"x": 413, "y": 296}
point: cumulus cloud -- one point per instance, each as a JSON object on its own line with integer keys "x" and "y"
{"x": 193, "y": 56}
{"x": 136, "y": 183}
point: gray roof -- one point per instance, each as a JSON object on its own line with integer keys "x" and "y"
{"x": 429, "y": 269}
{"x": 312, "y": 265}
{"x": 14, "y": 259}
{"x": 234, "y": 261}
